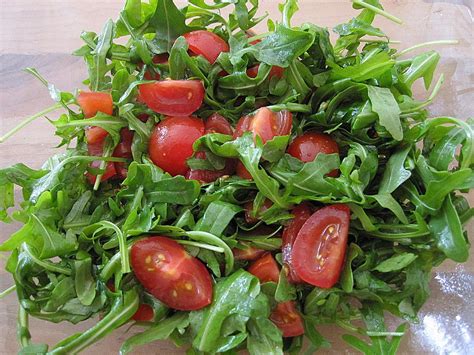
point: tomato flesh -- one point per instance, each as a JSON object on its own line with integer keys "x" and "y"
{"x": 93, "y": 102}
{"x": 173, "y": 97}
{"x": 249, "y": 253}
{"x": 169, "y": 273}
{"x": 95, "y": 135}
{"x": 301, "y": 212}
{"x": 97, "y": 150}
{"x": 144, "y": 313}
{"x": 171, "y": 143}
{"x": 265, "y": 269}
{"x": 274, "y": 71}
{"x": 206, "y": 43}
{"x": 287, "y": 319}
{"x": 242, "y": 171}
{"x": 217, "y": 123}
{"x": 266, "y": 124}
{"x": 309, "y": 145}
{"x": 320, "y": 246}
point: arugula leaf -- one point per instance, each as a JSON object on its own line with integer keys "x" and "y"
{"x": 386, "y": 107}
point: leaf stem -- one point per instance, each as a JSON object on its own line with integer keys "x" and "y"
{"x": 23, "y": 333}
{"x": 7, "y": 291}
{"x": 426, "y": 44}
{"x": 45, "y": 263}
{"x": 29, "y": 120}
{"x": 201, "y": 245}
{"x": 378, "y": 11}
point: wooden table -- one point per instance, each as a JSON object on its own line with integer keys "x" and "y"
{"x": 42, "y": 34}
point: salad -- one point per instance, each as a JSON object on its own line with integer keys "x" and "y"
{"x": 232, "y": 190}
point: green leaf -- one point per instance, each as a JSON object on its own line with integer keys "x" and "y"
{"x": 83, "y": 279}
{"x": 347, "y": 278}
{"x": 217, "y": 216}
{"x": 448, "y": 233}
{"x": 97, "y": 62}
{"x": 386, "y": 107}
{"x": 264, "y": 337}
{"x": 395, "y": 173}
{"x": 422, "y": 66}
{"x": 388, "y": 201}
{"x": 396, "y": 262}
{"x": 371, "y": 68}
{"x": 169, "y": 23}
{"x": 284, "y": 291}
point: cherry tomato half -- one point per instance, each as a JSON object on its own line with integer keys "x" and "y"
{"x": 123, "y": 150}
{"x": 265, "y": 268}
{"x": 319, "y": 248}
{"x": 173, "y": 97}
{"x": 93, "y": 102}
{"x": 309, "y": 145}
{"x": 144, "y": 313}
{"x": 95, "y": 135}
{"x": 171, "y": 143}
{"x": 249, "y": 253}
{"x": 97, "y": 150}
{"x": 266, "y": 124}
{"x": 274, "y": 71}
{"x": 242, "y": 171}
{"x": 287, "y": 319}
{"x": 217, "y": 123}
{"x": 169, "y": 273}
{"x": 206, "y": 43}
{"x": 301, "y": 212}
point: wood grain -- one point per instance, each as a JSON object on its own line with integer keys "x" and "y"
{"x": 42, "y": 34}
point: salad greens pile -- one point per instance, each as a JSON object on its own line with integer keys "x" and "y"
{"x": 401, "y": 172}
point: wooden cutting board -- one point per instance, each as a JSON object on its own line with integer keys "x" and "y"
{"x": 42, "y": 34}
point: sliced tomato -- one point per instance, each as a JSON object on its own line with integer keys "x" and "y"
{"x": 248, "y": 207}
{"x": 217, "y": 123}
{"x": 287, "y": 319}
{"x": 265, "y": 268}
{"x": 242, "y": 171}
{"x": 206, "y": 43}
{"x": 93, "y": 102}
{"x": 173, "y": 97}
{"x": 307, "y": 146}
{"x": 171, "y": 143}
{"x": 301, "y": 212}
{"x": 110, "y": 171}
{"x": 144, "y": 313}
{"x": 320, "y": 246}
{"x": 274, "y": 71}
{"x": 266, "y": 124}
{"x": 124, "y": 148}
{"x": 169, "y": 273}
{"x": 95, "y": 135}
{"x": 249, "y": 253}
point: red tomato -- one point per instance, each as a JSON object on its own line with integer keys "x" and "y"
{"x": 275, "y": 71}
{"x": 320, "y": 246}
{"x": 266, "y": 124}
{"x": 124, "y": 148}
{"x": 287, "y": 319}
{"x": 248, "y": 254}
{"x": 207, "y": 44}
{"x": 169, "y": 273}
{"x": 95, "y": 135}
{"x": 217, "y": 123}
{"x": 97, "y": 150}
{"x": 144, "y": 313}
{"x": 302, "y": 212}
{"x": 93, "y": 102}
{"x": 265, "y": 268}
{"x": 242, "y": 171}
{"x": 249, "y": 218}
{"x": 173, "y": 97}
{"x": 309, "y": 145}
{"x": 171, "y": 143}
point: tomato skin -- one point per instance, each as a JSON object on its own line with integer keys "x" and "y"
{"x": 95, "y": 135}
{"x": 242, "y": 171}
{"x": 93, "y": 102}
{"x": 266, "y": 124}
{"x": 248, "y": 207}
{"x": 173, "y": 97}
{"x": 265, "y": 269}
{"x": 144, "y": 313}
{"x": 110, "y": 171}
{"x": 320, "y": 246}
{"x": 301, "y": 212}
{"x": 171, "y": 143}
{"x": 206, "y": 43}
{"x": 217, "y": 123}
{"x": 248, "y": 254}
{"x": 287, "y": 319}
{"x": 307, "y": 146}
{"x": 169, "y": 273}
{"x": 274, "y": 71}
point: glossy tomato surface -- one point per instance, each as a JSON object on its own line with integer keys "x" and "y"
{"x": 265, "y": 268}
{"x": 301, "y": 212}
{"x": 217, "y": 123}
{"x": 266, "y": 124}
{"x": 320, "y": 246}
{"x": 95, "y": 135}
{"x": 307, "y": 146}
{"x": 169, "y": 273}
{"x": 287, "y": 319}
{"x": 144, "y": 313}
{"x": 171, "y": 143}
{"x": 93, "y": 102}
{"x": 206, "y": 43}
{"x": 274, "y": 71}
{"x": 173, "y": 97}
{"x": 110, "y": 171}
{"x": 248, "y": 253}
